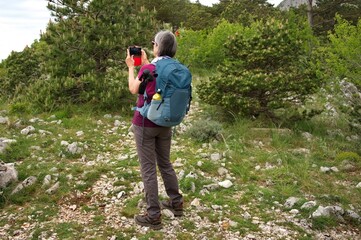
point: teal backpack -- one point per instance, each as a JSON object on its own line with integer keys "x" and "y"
{"x": 174, "y": 84}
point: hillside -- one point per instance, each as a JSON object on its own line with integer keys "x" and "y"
{"x": 251, "y": 183}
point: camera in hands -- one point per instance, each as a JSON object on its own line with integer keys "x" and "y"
{"x": 136, "y": 52}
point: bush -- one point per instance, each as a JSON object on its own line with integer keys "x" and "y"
{"x": 106, "y": 92}
{"x": 18, "y": 71}
{"x": 189, "y": 47}
{"x": 267, "y": 68}
{"x": 345, "y": 51}
{"x": 348, "y": 156}
{"x": 204, "y": 49}
{"x": 205, "y": 131}
{"x": 344, "y": 69}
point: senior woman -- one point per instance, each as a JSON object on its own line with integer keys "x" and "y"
{"x": 153, "y": 142}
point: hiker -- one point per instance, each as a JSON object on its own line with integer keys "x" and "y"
{"x": 153, "y": 142}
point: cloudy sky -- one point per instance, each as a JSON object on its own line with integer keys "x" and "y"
{"x": 21, "y": 22}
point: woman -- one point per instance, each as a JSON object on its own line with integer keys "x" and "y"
{"x": 153, "y": 142}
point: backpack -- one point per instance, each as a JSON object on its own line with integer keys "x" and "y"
{"x": 173, "y": 83}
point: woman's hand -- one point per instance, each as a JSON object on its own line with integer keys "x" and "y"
{"x": 144, "y": 58}
{"x": 133, "y": 83}
{"x": 129, "y": 60}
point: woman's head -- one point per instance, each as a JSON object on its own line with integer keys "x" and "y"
{"x": 165, "y": 44}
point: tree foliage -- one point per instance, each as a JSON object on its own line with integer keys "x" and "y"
{"x": 86, "y": 41}
{"x": 19, "y": 70}
{"x": 326, "y": 10}
{"x": 204, "y": 49}
{"x": 344, "y": 64}
{"x": 244, "y": 11}
{"x": 345, "y": 51}
{"x": 267, "y": 67}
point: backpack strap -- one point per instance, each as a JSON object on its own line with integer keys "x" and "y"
{"x": 190, "y": 99}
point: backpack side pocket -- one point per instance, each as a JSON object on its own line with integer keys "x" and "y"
{"x": 155, "y": 110}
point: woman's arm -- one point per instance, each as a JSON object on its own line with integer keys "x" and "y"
{"x": 133, "y": 82}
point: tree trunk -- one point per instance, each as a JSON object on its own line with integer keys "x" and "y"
{"x": 310, "y": 12}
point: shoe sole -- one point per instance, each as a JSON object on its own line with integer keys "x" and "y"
{"x": 152, "y": 226}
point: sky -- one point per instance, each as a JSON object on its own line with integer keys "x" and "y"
{"x": 21, "y": 22}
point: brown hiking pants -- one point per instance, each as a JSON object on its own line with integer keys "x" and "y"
{"x": 153, "y": 147}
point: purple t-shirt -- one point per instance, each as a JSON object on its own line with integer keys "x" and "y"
{"x": 150, "y": 89}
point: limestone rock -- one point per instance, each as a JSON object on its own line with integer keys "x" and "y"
{"x": 26, "y": 183}
{"x": 8, "y": 174}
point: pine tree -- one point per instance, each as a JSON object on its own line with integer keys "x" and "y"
{"x": 85, "y": 35}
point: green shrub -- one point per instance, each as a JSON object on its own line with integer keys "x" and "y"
{"x": 205, "y": 131}
{"x": 19, "y": 70}
{"x": 106, "y": 92}
{"x": 267, "y": 68}
{"x": 344, "y": 68}
{"x": 204, "y": 49}
{"x": 348, "y": 156}
{"x": 20, "y": 107}
{"x": 345, "y": 51}
{"x": 189, "y": 47}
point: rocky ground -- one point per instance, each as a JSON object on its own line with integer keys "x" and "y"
{"x": 98, "y": 211}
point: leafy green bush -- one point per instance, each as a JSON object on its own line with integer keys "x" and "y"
{"x": 80, "y": 57}
{"x": 267, "y": 67}
{"x": 204, "y": 49}
{"x": 349, "y": 156}
{"x": 18, "y": 71}
{"x": 189, "y": 47}
{"x": 345, "y": 51}
{"x": 205, "y": 131}
{"x": 107, "y": 92}
{"x": 344, "y": 70}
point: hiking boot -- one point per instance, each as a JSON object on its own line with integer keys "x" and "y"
{"x": 176, "y": 210}
{"x": 146, "y": 221}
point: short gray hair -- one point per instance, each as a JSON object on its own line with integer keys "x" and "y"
{"x": 167, "y": 43}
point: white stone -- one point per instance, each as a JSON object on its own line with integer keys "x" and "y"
{"x": 325, "y": 169}
{"x": 226, "y": 184}
{"x": 64, "y": 143}
{"x": 211, "y": 186}
{"x": 246, "y": 215}
{"x": 358, "y": 185}
{"x": 74, "y": 148}
{"x": 47, "y": 180}
{"x": 196, "y": 202}
{"x": 192, "y": 175}
{"x": 73, "y": 207}
{"x": 308, "y": 205}
{"x": 79, "y": 133}
{"x": 4, "y": 120}
{"x": 53, "y": 189}
{"x": 291, "y": 201}
{"x": 120, "y": 194}
{"x": 334, "y": 169}
{"x": 308, "y": 136}
{"x": 216, "y": 156}
{"x": 168, "y": 213}
{"x": 8, "y": 174}
{"x": 216, "y": 207}
{"x": 117, "y": 123}
{"x": 304, "y": 151}
{"x": 353, "y": 215}
{"x": 294, "y": 211}
{"x": 222, "y": 171}
{"x": 26, "y": 183}
{"x": 320, "y": 211}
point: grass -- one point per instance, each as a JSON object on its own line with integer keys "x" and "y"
{"x": 261, "y": 159}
